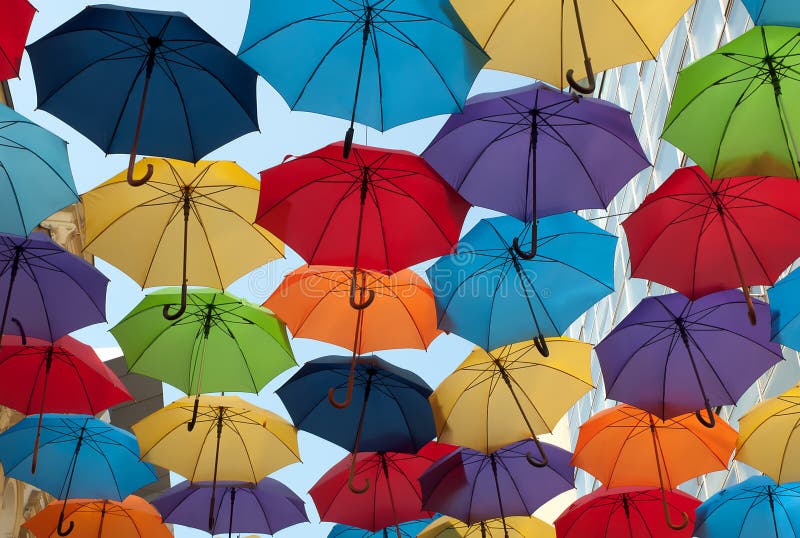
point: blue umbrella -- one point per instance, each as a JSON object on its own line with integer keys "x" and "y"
{"x": 756, "y": 507}
{"x": 131, "y": 79}
{"x": 409, "y": 529}
{"x": 774, "y": 12}
{"x": 79, "y": 457}
{"x": 35, "y": 177}
{"x": 784, "y": 302}
{"x": 488, "y": 294}
{"x": 378, "y": 62}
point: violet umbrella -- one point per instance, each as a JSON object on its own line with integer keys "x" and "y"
{"x": 671, "y": 356}
{"x": 535, "y": 151}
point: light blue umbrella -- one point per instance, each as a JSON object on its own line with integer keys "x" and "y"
{"x": 491, "y": 296}
{"x": 784, "y": 302}
{"x": 756, "y": 507}
{"x": 409, "y": 529}
{"x": 35, "y": 177}
{"x": 774, "y": 12}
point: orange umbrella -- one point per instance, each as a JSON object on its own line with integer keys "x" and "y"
{"x": 95, "y": 518}
{"x": 625, "y": 446}
{"x": 315, "y": 302}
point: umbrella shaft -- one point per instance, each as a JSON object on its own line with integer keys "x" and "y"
{"x": 365, "y": 39}
{"x": 385, "y": 467}
{"x": 12, "y": 278}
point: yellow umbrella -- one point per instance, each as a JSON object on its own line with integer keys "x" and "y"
{"x": 516, "y": 527}
{"x": 191, "y": 224}
{"x": 509, "y": 394}
{"x": 550, "y": 39}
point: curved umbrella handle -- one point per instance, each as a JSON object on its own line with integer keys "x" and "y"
{"x": 541, "y": 345}
{"x": 181, "y": 310}
{"x": 348, "y": 398}
{"x": 144, "y": 179}
{"x": 353, "y": 302}
{"x": 351, "y": 477}
{"x": 673, "y": 526}
{"x": 711, "y": 422}
{"x": 191, "y": 423}
{"x": 592, "y": 83}
{"x": 544, "y": 459}
{"x": 23, "y": 338}
{"x": 521, "y": 253}
{"x": 60, "y": 528}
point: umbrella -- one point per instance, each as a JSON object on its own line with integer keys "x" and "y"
{"x": 266, "y": 507}
{"x": 488, "y": 294}
{"x": 14, "y": 27}
{"x": 379, "y": 63}
{"x": 625, "y": 512}
{"x": 315, "y": 302}
{"x": 733, "y": 111}
{"x": 221, "y": 343}
{"x": 777, "y": 12}
{"x": 191, "y": 225}
{"x": 511, "y": 527}
{"x": 394, "y": 497}
{"x": 394, "y": 415}
{"x": 232, "y": 440}
{"x": 409, "y": 529}
{"x": 535, "y": 151}
{"x": 699, "y": 236}
{"x": 783, "y": 304}
{"x": 49, "y": 292}
{"x": 79, "y": 457}
{"x": 102, "y": 518}
{"x": 131, "y": 79}
{"x": 671, "y": 355}
{"x": 36, "y": 176}
{"x": 81, "y": 382}
{"x": 568, "y": 33}
{"x": 755, "y": 507}
{"x": 511, "y": 394}
{"x": 625, "y": 446}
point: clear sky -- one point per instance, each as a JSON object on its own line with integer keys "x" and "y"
{"x": 282, "y": 132}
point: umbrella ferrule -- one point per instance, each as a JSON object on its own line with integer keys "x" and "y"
{"x": 364, "y": 185}
{"x": 153, "y": 42}
{"x": 367, "y": 24}
{"x": 773, "y": 75}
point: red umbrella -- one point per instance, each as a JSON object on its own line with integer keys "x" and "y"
{"x": 699, "y": 236}
{"x": 394, "y": 497}
{"x": 14, "y": 26}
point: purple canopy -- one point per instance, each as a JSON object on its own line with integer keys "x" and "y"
{"x": 671, "y": 356}
{"x": 472, "y": 486}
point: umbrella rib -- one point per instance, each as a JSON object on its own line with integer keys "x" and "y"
{"x": 166, "y": 68}
{"x": 315, "y": 18}
{"x": 170, "y": 219}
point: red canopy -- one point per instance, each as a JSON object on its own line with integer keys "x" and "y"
{"x": 15, "y": 23}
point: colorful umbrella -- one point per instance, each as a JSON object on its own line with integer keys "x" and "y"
{"x": 773, "y": 12}
{"x": 625, "y": 446}
{"x": 783, "y": 303}
{"x": 409, "y": 529}
{"x": 511, "y": 394}
{"x": 733, "y": 112}
{"x": 266, "y": 507}
{"x": 671, "y": 355}
{"x": 510, "y": 527}
{"x": 625, "y": 512}
{"x": 699, "y": 236}
{"x": 488, "y": 294}
{"x": 191, "y": 225}
{"x": 315, "y": 302}
{"x": 14, "y": 27}
{"x": 98, "y": 70}
{"x": 379, "y": 63}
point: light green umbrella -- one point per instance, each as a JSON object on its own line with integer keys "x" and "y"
{"x": 736, "y": 112}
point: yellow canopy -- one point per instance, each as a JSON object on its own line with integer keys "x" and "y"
{"x": 517, "y": 526}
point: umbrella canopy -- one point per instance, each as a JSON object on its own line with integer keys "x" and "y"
{"x": 777, "y": 12}
{"x": 378, "y": 63}
{"x": 510, "y": 394}
{"x": 699, "y": 236}
{"x": 626, "y": 512}
{"x": 36, "y": 177}
{"x": 266, "y": 507}
{"x": 489, "y": 295}
{"x": 511, "y": 527}
{"x": 131, "y": 79}
{"x": 784, "y": 305}
{"x": 672, "y": 356}
{"x": 14, "y": 27}
{"x": 733, "y": 112}
{"x": 101, "y": 518}
{"x": 409, "y": 529}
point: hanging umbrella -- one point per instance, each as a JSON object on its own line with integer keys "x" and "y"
{"x": 394, "y": 497}
{"x": 733, "y": 111}
{"x": 36, "y": 177}
{"x": 625, "y": 446}
{"x": 627, "y": 512}
{"x": 491, "y": 296}
{"x": 511, "y": 527}
{"x": 14, "y": 27}
{"x": 672, "y": 356}
{"x": 131, "y": 79}
{"x": 266, "y": 507}
{"x": 394, "y": 415}
{"x": 511, "y": 394}
{"x": 220, "y": 343}
{"x": 535, "y": 151}
{"x": 232, "y": 440}
{"x": 191, "y": 225}
{"x": 773, "y": 12}
{"x": 101, "y": 518}
{"x": 600, "y": 34}
{"x": 378, "y": 63}
{"x": 315, "y": 302}
{"x": 783, "y": 303}
{"x": 409, "y": 529}
{"x": 79, "y": 457}
{"x": 699, "y": 236}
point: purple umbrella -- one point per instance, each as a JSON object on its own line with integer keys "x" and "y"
{"x": 537, "y": 147}
{"x": 672, "y": 356}
{"x": 472, "y": 486}
{"x": 46, "y": 291}
{"x": 263, "y": 508}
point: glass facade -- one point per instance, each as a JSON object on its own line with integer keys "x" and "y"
{"x": 646, "y": 90}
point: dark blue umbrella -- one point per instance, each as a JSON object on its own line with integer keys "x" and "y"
{"x": 98, "y": 70}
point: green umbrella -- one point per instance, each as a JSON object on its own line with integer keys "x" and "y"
{"x": 736, "y": 112}
{"x": 221, "y": 343}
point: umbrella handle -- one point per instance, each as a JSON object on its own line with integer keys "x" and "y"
{"x": 23, "y": 338}
{"x": 541, "y": 345}
{"x": 351, "y": 478}
{"x": 353, "y": 302}
{"x": 181, "y": 309}
{"x": 144, "y": 179}
{"x": 540, "y": 463}
{"x": 187, "y": 208}
{"x": 673, "y": 526}
{"x": 60, "y": 528}
{"x": 347, "y": 399}
{"x": 191, "y": 423}
{"x": 521, "y": 253}
{"x": 153, "y": 44}
{"x": 587, "y": 62}
{"x": 711, "y": 422}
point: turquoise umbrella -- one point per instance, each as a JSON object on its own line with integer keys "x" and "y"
{"x": 784, "y": 303}
{"x": 774, "y": 12}
{"x": 409, "y": 529}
